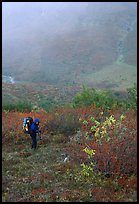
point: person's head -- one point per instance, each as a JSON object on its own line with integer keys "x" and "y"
{"x": 37, "y": 121}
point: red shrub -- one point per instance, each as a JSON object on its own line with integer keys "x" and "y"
{"x": 119, "y": 154}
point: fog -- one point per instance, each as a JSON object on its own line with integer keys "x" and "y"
{"x": 46, "y": 35}
{"x": 21, "y": 18}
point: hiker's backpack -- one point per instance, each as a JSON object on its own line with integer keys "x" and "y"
{"x": 27, "y": 124}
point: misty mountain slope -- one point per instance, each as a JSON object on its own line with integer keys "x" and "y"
{"x": 117, "y": 76}
{"x": 59, "y": 42}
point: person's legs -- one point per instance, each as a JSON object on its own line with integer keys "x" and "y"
{"x": 34, "y": 141}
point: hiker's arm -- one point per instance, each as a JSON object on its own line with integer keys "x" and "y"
{"x": 37, "y": 129}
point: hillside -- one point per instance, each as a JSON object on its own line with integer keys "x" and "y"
{"x": 117, "y": 76}
{"x": 38, "y": 94}
{"x": 42, "y": 95}
{"x": 60, "y": 169}
{"x": 64, "y": 43}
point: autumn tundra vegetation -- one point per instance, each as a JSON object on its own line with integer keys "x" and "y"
{"x": 88, "y": 151}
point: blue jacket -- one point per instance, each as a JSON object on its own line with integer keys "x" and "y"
{"x": 34, "y": 127}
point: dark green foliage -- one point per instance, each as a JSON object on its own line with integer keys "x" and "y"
{"x": 131, "y": 101}
{"x": 132, "y": 96}
{"x": 106, "y": 99}
{"x": 18, "y": 106}
{"x": 47, "y": 102}
{"x": 90, "y": 96}
{"x": 84, "y": 98}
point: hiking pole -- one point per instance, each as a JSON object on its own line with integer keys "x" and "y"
{"x": 39, "y": 134}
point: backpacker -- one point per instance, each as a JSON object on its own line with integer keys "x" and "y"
{"x": 27, "y": 124}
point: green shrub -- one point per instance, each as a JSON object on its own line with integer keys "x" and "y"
{"x": 90, "y": 96}
{"x": 130, "y": 102}
{"x": 18, "y": 106}
{"x": 47, "y": 103}
{"x": 132, "y": 96}
{"x": 105, "y": 99}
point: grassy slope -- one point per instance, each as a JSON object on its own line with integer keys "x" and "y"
{"x": 42, "y": 175}
{"x": 27, "y": 163}
{"x": 118, "y": 76}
